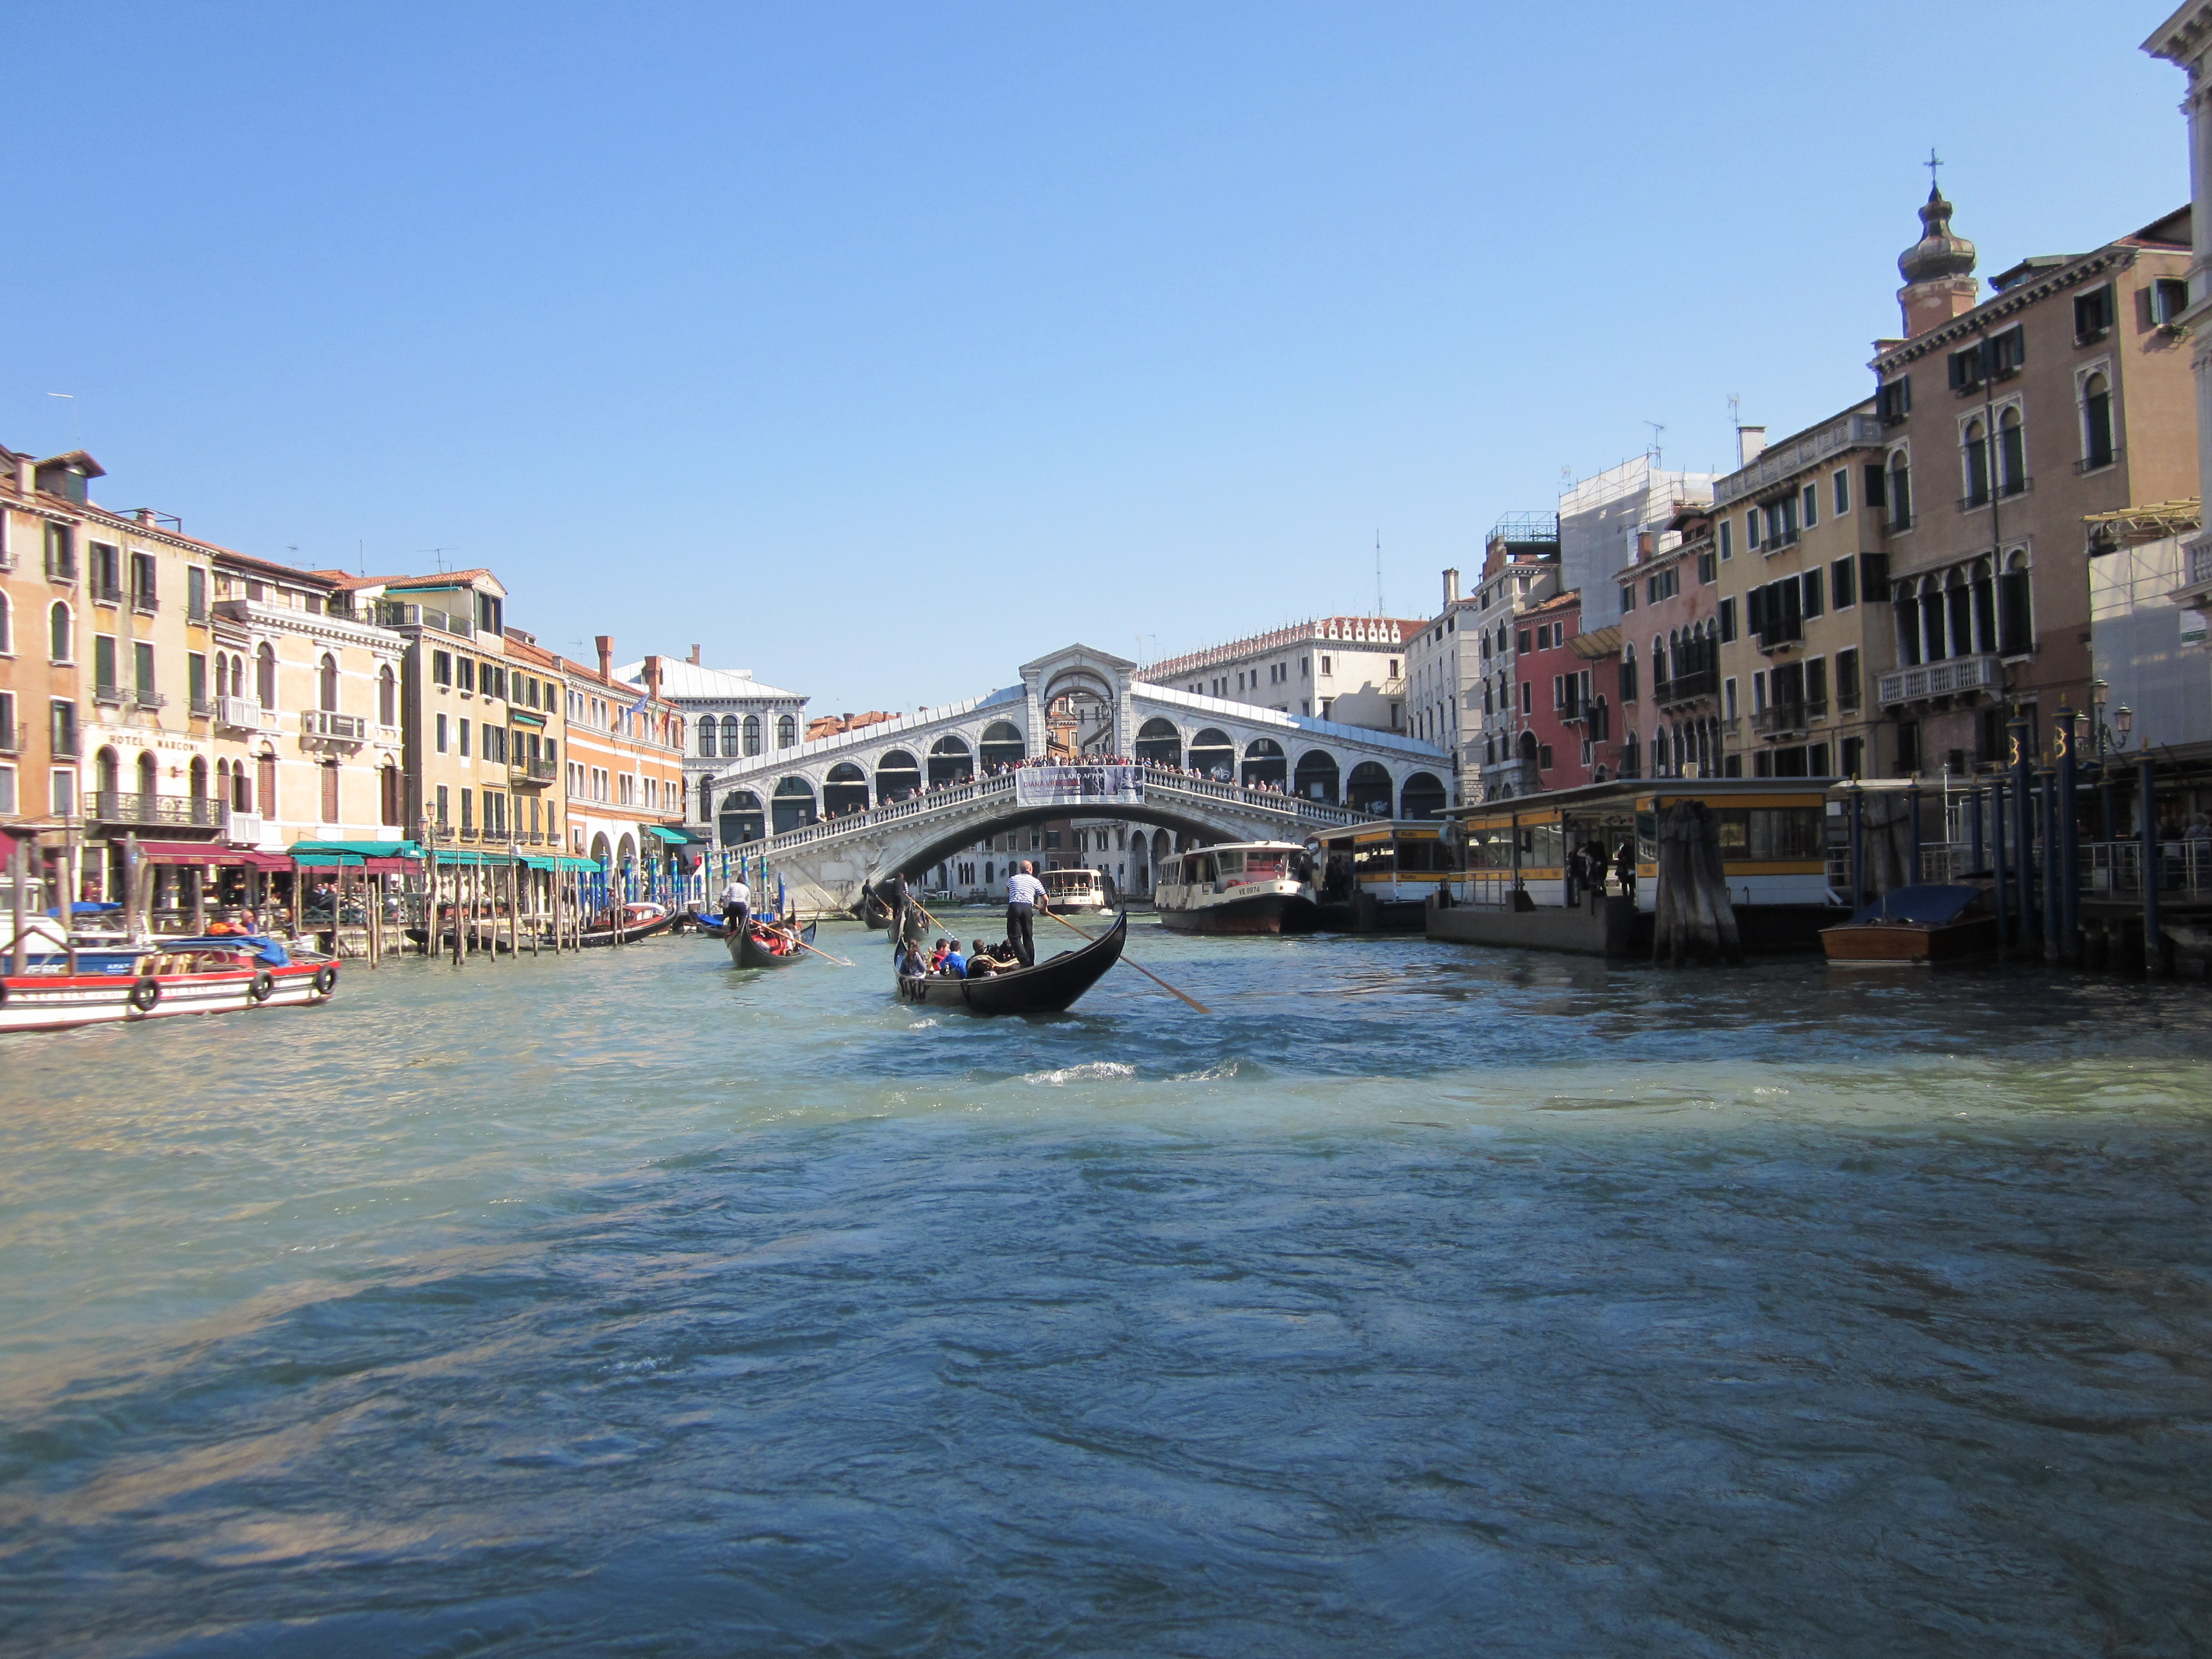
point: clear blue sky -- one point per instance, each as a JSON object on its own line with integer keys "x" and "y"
{"x": 879, "y": 348}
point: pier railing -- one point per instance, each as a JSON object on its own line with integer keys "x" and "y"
{"x": 2115, "y": 868}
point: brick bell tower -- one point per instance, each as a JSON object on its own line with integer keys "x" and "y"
{"x": 1938, "y": 269}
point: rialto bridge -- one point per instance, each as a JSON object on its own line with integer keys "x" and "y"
{"x": 829, "y": 815}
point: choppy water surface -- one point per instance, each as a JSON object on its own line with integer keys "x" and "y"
{"x": 1420, "y": 1300}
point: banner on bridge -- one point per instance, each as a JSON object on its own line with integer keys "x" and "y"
{"x": 1079, "y": 788}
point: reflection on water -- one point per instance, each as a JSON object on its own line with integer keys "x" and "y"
{"x": 1421, "y": 1300}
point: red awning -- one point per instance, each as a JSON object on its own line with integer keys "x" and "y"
{"x": 210, "y": 851}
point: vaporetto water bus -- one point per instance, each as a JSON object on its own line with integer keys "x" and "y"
{"x": 1076, "y": 891}
{"x": 1243, "y": 887}
{"x": 1382, "y": 875}
{"x": 1578, "y": 870}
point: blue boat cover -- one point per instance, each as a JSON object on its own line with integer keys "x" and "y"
{"x": 270, "y": 950}
{"x": 1931, "y": 905}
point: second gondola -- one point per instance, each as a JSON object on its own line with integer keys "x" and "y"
{"x": 746, "y": 950}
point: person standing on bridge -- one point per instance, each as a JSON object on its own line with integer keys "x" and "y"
{"x": 1025, "y": 898}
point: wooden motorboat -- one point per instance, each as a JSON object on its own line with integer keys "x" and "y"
{"x": 602, "y": 934}
{"x": 199, "y": 976}
{"x": 1915, "y": 927}
{"x": 747, "y": 951}
{"x": 1050, "y": 987}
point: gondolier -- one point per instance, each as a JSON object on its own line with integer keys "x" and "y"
{"x": 1025, "y": 896}
{"x": 737, "y": 901}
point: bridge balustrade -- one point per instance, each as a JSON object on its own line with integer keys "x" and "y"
{"x": 1157, "y": 781}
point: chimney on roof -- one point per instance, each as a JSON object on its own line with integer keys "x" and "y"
{"x": 27, "y": 474}
{"x": 1750, "y": 444}
{"x": 606, "y": 644}
{"x": 1642, "y": 545}
{"x": 1451, "y": 588}
{"x": 144, "y": 515}
{"x": 653, "y": 675}
{"x": 695, "y": 656}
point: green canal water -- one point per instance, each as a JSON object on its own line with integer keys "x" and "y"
{"x": 1418, "y": 1300}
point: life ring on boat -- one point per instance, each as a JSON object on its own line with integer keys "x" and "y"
{"x": 263, "y": 987}
{"x": 326, "y": 979}
{"x": 145, "y": 993}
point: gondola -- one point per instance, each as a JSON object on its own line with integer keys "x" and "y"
{"x": 592, "y": 938}
{"x": 744, "y": 953}
{"x": 1050, "y": 987}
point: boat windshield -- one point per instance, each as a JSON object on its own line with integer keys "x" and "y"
{"x": 1060, "y": 882}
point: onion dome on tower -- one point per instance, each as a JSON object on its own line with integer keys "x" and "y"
{"x": 1938, "y": 271}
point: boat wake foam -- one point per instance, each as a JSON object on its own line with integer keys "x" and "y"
{"x": 1097, "y": 1068}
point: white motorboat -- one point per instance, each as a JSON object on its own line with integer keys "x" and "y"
{"x": 1075, "y": 891}
{"x": 1245, "y": 887}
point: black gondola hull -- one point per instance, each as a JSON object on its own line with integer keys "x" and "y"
{"x": 1050, "y": 987}
{"x": 744, "y": 952}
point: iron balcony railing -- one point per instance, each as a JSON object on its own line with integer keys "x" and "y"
{"x": 106, "y": 593}
{"x": 146, "y": 697}
{"x": 204, "y": 708}
{"x": 111, "y": 696}
{"x": 1941, "y": 679}
{"x": 117, "y": 806}
{"x": 14, "y": 737}
{"x": 536, "y": 771}
{"x": 1781, "y": 717}
{"x": 65, "y": 745}
{"x": 1687, "y": 688}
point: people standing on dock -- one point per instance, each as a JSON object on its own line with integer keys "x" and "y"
{"x": 1025, "y": 898}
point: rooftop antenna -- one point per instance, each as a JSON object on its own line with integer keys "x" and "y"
{"x": 1378, "y": 573}
{"x": 438, "y": 553}
{"x": 1657, "y": 429}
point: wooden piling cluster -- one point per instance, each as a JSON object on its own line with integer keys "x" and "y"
{"x": 1693, "y": 919}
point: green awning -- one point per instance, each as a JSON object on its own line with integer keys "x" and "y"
{"x": 559, "y": 863}
{"x": 366, "y": 849}
{"x": 673, "y": 837}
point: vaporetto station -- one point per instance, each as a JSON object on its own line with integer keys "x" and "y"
{"x": 831, "y": 815}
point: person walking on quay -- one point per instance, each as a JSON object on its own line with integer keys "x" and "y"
{"x": 1025, "y": 898}
{"x": 737, "y": 901}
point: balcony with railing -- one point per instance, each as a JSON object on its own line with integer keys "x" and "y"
{"x": 1942, "y": 679}
{"x": 104, "y": 592}
{"x": 14, "y": 737}
{"x": 1699, "y": 684}
{"x": 390, "y": 613}
{"x": 534, "y": 771}
{"x": 65, "y": 743}
{"x": 240, "y": 714}
{"x": 1507, "y": 779}
{"x": 204, "y": 708}
{"x": 330, "y": 727}
{"x": 111, "y": 696}
{"x": 1789, "y": 719}
{"x": 176, "y": 811}
{"x": 147, "y": 697}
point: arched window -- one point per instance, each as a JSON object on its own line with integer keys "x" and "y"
{"x": 198, "y": 776}
{"x": 150, "y": 773}
{"x": 752, "y": 734}
{"x": 787, "y": 730}
{"x": 729, "y": 731}
{"x": 1368, "y": 790}
{"x": 107, "y": 775}
{"x": 1631, "y": 763}
{"x": 2012, "y": 454}
{"x": 949, "y": 761}
{"x": 1001, "y": 745}
{"x": 329, "y": 689}
{"x": 1158, "y": 743}
{"x": 1932, "y": 644}
{"x": 1317, "y": 776}
{"x": 1900, "y": 491}
{"x": 741, "y": 820}
{"x": 1985, "y": 607}
{"x": 1423, "y": 797}
{"x": 387, "y": 704}
{"x": 794, "y": 804}
{"x": 265, "y": 793}
{"x": 1959, "y": 610}
{"x": 845, "y": 790}
{"x": 264, "y": 675}
{"x": 1529, "y": 748}
{"x": 59, "y": 634}
{"x": 1212, "y": 754}
{"x": 898, "y": 777}
{"x": 1264, "y": 763}
{"x": 2097, "y": 448}
{"x": 388, "y": 799}
{"x": 2015, "y": 607}
{"x": 1976, "y": 442}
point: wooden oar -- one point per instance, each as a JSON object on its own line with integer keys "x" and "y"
{"x": 1139, "y": 966}
{"x": 824, "y": 955}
